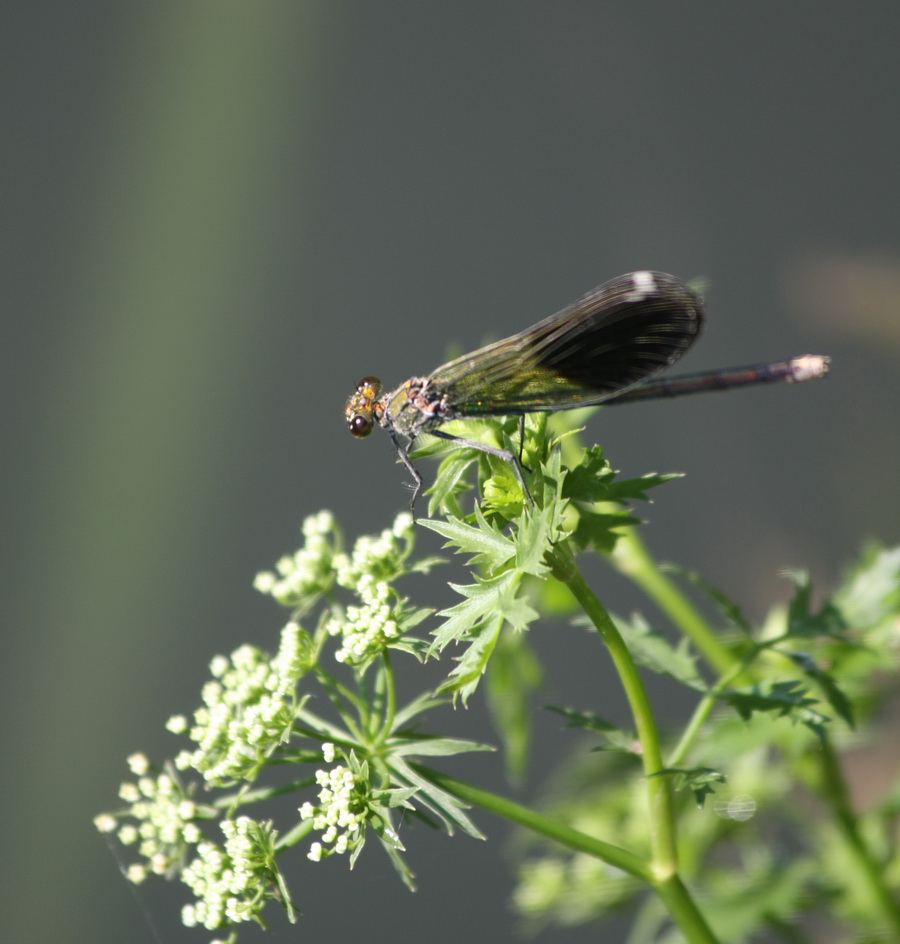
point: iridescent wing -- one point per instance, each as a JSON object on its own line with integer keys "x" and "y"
{"x": 616, "y": 336}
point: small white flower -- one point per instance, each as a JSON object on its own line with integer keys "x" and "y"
{"x": 218, "y": 667}
{"x": 136, "y": 873}
{"x": 138, "y": 764}
{"x": 129, "y": 792}
{"x": 403, "y": 525}
{"x": 264, "y": 581}
{"x": 105, "y": 823}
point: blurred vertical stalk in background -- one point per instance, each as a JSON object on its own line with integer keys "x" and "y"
{"x": 186, "y": 158}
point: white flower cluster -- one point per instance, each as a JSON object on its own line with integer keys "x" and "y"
{"x": 366, "y": 629}
{"x": 308, "y": 571}
{"x": 229, "y": 882}
{"x": 165, "y": 820}
{"x": 376, "y": 557}
{"x": 341, "y": 812}
{"x": 248, "y": 708}
{"x": 368, "y": 571}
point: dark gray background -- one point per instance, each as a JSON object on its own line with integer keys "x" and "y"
{"x": 219, "y": 215}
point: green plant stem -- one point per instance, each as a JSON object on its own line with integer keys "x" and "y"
{"x": 390, "y": 696}
{"x": 542, "y": 825}
{"x": 671, "y": 889}
{"x": 684, "y": 911}
{"x": 701, "y": 714}
{"x": 631, "y": 557}
{"x": 659, "y": 791}
{"x": 834, "y": 791}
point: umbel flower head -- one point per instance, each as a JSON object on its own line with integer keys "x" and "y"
{"x": 253, "y": 715}
{"x": 342, "y": 808}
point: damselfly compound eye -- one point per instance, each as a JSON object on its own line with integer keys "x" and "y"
{"x": 360, "y": 426}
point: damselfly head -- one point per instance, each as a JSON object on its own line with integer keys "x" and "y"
{"x": 361, "y": 409}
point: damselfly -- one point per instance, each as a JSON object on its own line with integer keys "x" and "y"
{"x": 603, "y": 348}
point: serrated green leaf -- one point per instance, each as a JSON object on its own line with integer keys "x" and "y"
{"x": 828, "y": 685}
{"x": 625, "y": 490}
{"x": 781, "y": 698}
{"x": 653, "y": 651}
{"x": 701, "y": 781}
{"x": 494, "y": 603}
{"x": 589, "y": 480}
{"x": 483, "y": 599}
{"x": 802, "y": 622}
{"x": 501, "y": 492}
{"x": 485, "y": 542}
{"x": 615, "y": 738}
{"x": 788, "y": 698}
{"x": 598, "y": 529}
{"x": 450, "y": 478}
{"x": 583, "y": 719}
{"x": 531, "y": 540}
{"x": 464, "y": 678}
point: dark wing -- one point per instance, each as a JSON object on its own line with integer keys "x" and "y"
{"x": 616, "y": 336}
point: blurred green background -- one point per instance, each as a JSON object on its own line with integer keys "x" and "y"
{"x": 219, "y": 215}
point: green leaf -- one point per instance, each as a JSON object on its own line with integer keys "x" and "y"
{"x": 589, "y": 480}
{"x": 829, "y": 686}
{"x": 802, "y": 622}
{"x": 532, "y": 539}
{"x": 428, "y": 746}
{"x": 626, "y": 490}
{"x": 450, "y": 478}
{"x": 781, "y": 699}
{"x": 653, "y": 651}
{"x": 871, "y": 590}
{"x": 583, "y": 719}
{"x": 615, "y": 738}
{"x": 471, "y": 665}
{"x": 479, "y": 620}
{"x": 391, "y": 844}
{"x": 700, "y": 780}
{"x": 501, "y": 491}
{"x": 395, "y": 798}
{"x": 598, "y": 529}
{"x": 485, "y": 541}
{"x": 447, "y": 808}
{"x": 483, "y": 599}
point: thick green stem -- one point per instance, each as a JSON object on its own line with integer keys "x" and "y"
{"x": 659, "y": 792}
{"x": 632, "y": 558}
{"x": 543, "y": 825}
{"x": 671, "y": 889}
{"x": 684, "y": 911}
